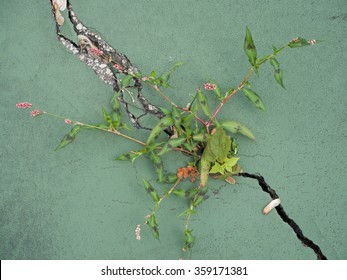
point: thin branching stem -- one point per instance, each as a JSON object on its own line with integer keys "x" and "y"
{"x": 167, "y": 194}
{"x": 225, "y": 100}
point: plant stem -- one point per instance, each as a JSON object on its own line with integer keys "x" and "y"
{"x": 113, "y": 131}
{"x": 188, "y": 217}
{"x": 109, "y": 130}
{"x": 157, "y": 89}
{"x": 166, "y": 195}
{"x": 241, "y": 85}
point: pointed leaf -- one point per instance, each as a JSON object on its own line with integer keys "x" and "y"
{"x": 203, "y": 103}
{"x": 249, "y": 47}
{"x": 274, "y": 63}
{"x": 236, "y": 127}
{"x": 201, "y": 197}
{"x": 217, "y": 168}
{"x": 171, "y": 144}
{"x": 158, "y": 166}
{"x": 200, "y": 137}
{"x": 124, "y": 157}
{"x": 126, "y": 80}
{"x": 115, "y": 102}
{"x": 164, "y": 123}
{"x": 179, "y": 192}
{"x": 254, "y": 98}
{"x": 151, "y": 190}
{"x": 107, "y": 117}
{"x": 152, "y": 223}
{"x": 187, "y": 212}
{"x": 170, "y": 178}
{"x": 230, "y": 163}
{"x": 177, "y": 65}
{"x": 189, "y": 239}
{"x": 69, "y": 137}
{"x": 204, "y": 169}
{"x": 279, "y": 77}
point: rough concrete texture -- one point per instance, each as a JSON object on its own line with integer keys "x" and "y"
{"x": 78, "y": 203}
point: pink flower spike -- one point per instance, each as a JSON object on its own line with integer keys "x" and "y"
{"x": 95, "y": 51}
{"x": 23, "y": 105}
{"x": 209, "y": 86}
{"x": 36, "y": 113}
{"x": 118, "y": 67}
{"x": 68, "y": 121}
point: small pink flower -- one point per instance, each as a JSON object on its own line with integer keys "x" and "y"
{"x": 118, "y": 67}
{"x": 145, "y": 79}
{"x": 209, "y": 86}
{"x": 312, "y": 42}
{"x": 23, "y": 105}
{"x": 36, "y": 113}
{"x": 95, "y": 51}
{"x": 68, "y": 121}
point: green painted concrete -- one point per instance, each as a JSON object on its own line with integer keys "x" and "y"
{"x": 80, "y": 204}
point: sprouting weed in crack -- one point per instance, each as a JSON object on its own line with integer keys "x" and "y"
{"x": 195, "y": 131}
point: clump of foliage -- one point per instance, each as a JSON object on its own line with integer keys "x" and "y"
{"x": 206, "y": 142}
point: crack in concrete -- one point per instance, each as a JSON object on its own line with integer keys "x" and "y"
{"x": 280, "y": 211}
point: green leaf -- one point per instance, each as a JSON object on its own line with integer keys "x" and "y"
{"x": 107, "y": 117}
{"x": 249, "y": 47}
{"x": 165, "y": 111}
{"x": 200, "y": 197}
{"x": 187, "y": 212}
{"x": 179, "y": 192}
{"x": 261, "y": 60}
{"x": 170, "y": 178}
{"x": 205, "y": 165}
{"x": 164, "y": 123}
{"x": 217, "y": 168}
{"x": 203, "y": 103}
{"x": 166, "y": 77}
{"x": 134, "y": 156}
{"x": 177, "y": 119}
{"x": 189, "y": 239}
{"x": 230, "y": 163}
{"x": 236, "y": 127}
{"x": 177, "y": 65}
{"x": 124, "y": 157}
{"x": 254, "y": 98}
{"x": 126, "y": 81}
{"x": 153, "y": 74}
{"x": 151, "y": 190}
{"x": 171, "y": 144}
{"x": 158, "y": 166}
{"x": 69, "y": 137}
{"x": 200, "y": 137}
{"x": 279, "y": 77}
{"x": 274, "y": 63}
{"x": 152, "y": 223}
{"x": 218, "y": 146}
{"x": 115, "y": 102}
{"x": 298, "y": 42}
{"x": 278, "y": 74}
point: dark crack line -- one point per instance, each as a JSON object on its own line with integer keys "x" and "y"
{"x": 280, "y": 211}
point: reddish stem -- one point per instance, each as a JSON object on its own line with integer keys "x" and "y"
{"x": 225, "y": 100}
